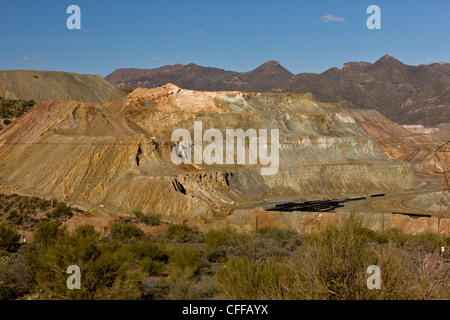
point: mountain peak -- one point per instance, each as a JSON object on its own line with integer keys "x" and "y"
{"x": 272, "y": 66}
{"x": 271, "y": 63}
{"x": 388, "y": 59}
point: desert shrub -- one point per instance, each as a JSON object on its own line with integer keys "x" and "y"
{"x": 257, "y": 248}
{"x": 149, "y": 218}
{"x": 397, "y": 274}
{"x": 187, "y": 260}
{"x": 8, "y": 238}
{"x": 153, "y": 251}
{"x": 243, "y": 279}
{"x": 183, "y": 287}
{"x": 216, "y": 255}
{"x": 15, "y": 275}
{"x": 276, "y": 233}
{"x": 61, "y": 209}
{"x": 260, "y": 246}
{"x": 28, "y": 103}
{"x": 6, "y": 122}
{"x": 13, "y": 215}
{"x": 103, "y": 263}
{"x": 181, "y": 232}
{"x": 6, "y": 292}
{"x": 331, "y": 264}
{"x": 42, "y": 204}
{"x": 153, "y": 289}
{"x": 125, "y": 231}
{"x": 48, "y": 231}
{"x": 428, "y": 241}
{"x": 152, "y": 267}
{"x": 392, "y": 235}
{"x": 219, "y": 238}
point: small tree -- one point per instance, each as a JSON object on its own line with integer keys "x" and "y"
{"x": 48, "y": 231}
{"x": 125, "y": 231}
{"x": 8, "y": 238}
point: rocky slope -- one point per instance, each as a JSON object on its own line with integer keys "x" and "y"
{"x": 117, "y": 155}
{"x": 53, "y": 85}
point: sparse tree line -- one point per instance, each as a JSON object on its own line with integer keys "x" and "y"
{"x": 183, "y": 263}
{"x": 23, "y": 212}
{"x": 12, "y": 109}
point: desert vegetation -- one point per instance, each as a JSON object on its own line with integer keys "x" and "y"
{"x": 11, "y": 109}
{"x": 25, "y": 212}
{"x": 271, "y": 263}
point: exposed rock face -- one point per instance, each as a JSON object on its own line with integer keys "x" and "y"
{"x": 118, "y": 154}
{"x": 54, "y": 85}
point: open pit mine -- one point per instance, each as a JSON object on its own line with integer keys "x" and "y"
{"x": 112, "y": 158}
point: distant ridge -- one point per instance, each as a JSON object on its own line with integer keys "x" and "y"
{"x": 194, "y": 77}
{"x": 55, "y": 85}
{"x": 405, "y": 94}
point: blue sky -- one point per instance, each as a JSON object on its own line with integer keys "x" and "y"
{"x": 228, "y": 34}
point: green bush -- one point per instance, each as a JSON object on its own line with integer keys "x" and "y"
{"x": 47, "y": 232}
{"x": 218, "y": 238}
{"x": 242, "y": 279}
{"x": 151, "y": 219}
{"x": 258, "y": 248}
{"x": 61, "y": 209}
{"x": 180, "y": 232}
{"x": 42, "y": 204}
{"x": 15, "y": 274}
{"x": 184, "y": 287}
{"x": 104, "y": 266}
{"x": 152, "y": 267}
{"x": 331, "y": 263}
{"x": 13, "y": 215}
{"x": 6, "y": 122}
{"x": 8, "y": 238}
{"x": 6, "y": 292}
{"x": 125, "y": 231}
{"x": 276, "y": 233}
{"x": 187, "y": 260}
{"x": 145, "y": 249}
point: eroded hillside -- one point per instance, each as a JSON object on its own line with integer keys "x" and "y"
{"x": 116, "y": 156}
{"x": 53, "y": 85}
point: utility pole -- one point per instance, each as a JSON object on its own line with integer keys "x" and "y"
{"x": 23, "y": 225}
{"x": 442, "y": 166}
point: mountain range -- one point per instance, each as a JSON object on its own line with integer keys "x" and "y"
{"x": 404, "y": 93}
{"x": 263, "y": 79}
